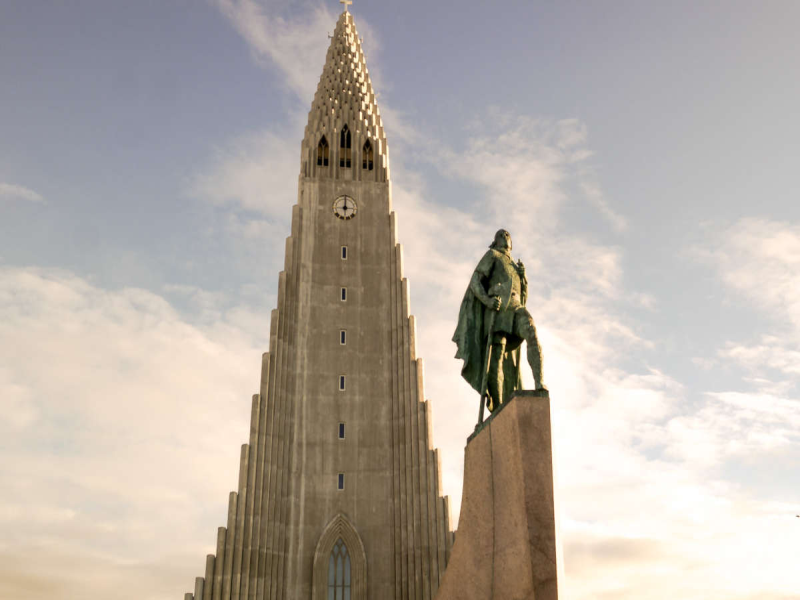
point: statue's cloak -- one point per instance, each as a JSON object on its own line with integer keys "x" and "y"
{"x": 470, "y": 338}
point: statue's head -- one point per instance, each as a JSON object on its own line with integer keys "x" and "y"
{"x": 502, "y": 240}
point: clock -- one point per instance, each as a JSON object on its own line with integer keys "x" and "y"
{"x": 345, "y": 207}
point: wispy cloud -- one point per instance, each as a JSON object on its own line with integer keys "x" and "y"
{"x": 593, "y": 193}
{"x": 294, "y": 46}
{"x": 733, "y": 424}
{"x": 250, "y": 180}
{"x": 775, "y": 352}
{"x": 251, "y": 173}
{"x": 521, "y": 163}
{"x": 9, "y": 191}
{"x": 760, "y": 260}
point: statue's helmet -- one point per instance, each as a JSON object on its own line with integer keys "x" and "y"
{"x": 501, "y": 238}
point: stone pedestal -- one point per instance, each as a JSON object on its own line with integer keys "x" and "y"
{"x": 505, "y": 546}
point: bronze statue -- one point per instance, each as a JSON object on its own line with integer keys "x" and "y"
{"x": 492, "y": 324}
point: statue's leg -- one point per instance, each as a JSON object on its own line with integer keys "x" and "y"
{"x": 535, "y": 361}
{"x": 527, "y": 331}
{"x": 495, "y": 383}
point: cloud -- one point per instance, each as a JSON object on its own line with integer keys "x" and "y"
{"x": 249, "y": 180}
{"x": 294, "y": 46}
{"x": 521, "y": 163}
{"x": 250, "y": 173}
{"x": 710, "y": 476}
{"x": 9, "y": 191}
{"x": 532, "y": 163}
{"x": 592, "y": 192}
{"x": 737, "y": 425}
{"x": 123, "y": 422}
{"x": 775, "y": 352}
{"x": 65, "y": 572}
{"x": 760, "y": 260}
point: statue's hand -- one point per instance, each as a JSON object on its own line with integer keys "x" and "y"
{"x": 520, "y": 268}
{"x": 496, "y": 303}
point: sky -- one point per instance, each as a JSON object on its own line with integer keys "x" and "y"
{"x": 643, "y": 156}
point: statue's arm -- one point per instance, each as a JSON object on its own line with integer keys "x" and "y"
{"x": 484, "y": 271}
{"x": 476, "y": 287}
{"x": 523, "y": 282}
{"x": 524, "y": 289}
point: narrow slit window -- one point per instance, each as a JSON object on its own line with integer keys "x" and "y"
{"x": 343, "y": 337}
{"x": 345, "y": 148}
{"x": 344, "y": 252}
{"x": 341, "y": 383}
{"x": 341, "y": 481}
{"x": 344, "y": 294}
{"x": 341, "y": 431}
{"x": 322, "y": 152}
{"x": 367, "y": 156}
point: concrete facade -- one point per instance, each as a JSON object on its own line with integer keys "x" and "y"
{"x": 289, "y": 510}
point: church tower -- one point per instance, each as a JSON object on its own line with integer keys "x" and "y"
{"x": 339, "y": 486}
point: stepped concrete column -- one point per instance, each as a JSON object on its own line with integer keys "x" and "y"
{"x": 198, "y": 588}
{"x": 208, "y": 587}
{"x": 506, "y": 541}
{"x": 219, "y": 563}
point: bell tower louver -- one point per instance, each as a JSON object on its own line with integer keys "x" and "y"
{"x": 339, "y": 485}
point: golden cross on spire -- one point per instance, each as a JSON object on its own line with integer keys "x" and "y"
{"x": 346, "y": 3}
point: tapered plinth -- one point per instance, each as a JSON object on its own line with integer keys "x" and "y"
{"x": 505, "y": 545}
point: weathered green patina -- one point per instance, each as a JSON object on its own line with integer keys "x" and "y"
{"x": 492, "y": 324}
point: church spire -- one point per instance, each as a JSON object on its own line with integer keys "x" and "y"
{"x": 345, "y": 97}
{"x": 340, "y": 467}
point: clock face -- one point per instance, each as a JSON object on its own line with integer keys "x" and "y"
{"x": 345, "y": 207}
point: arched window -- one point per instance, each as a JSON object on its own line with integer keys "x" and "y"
{"x": 344, "y": 148}
{"x": 340, "y": 550}
{"x": 339, "y": 572}
{"x": 367, "y": 157}
{"x": 322, "y": 152}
